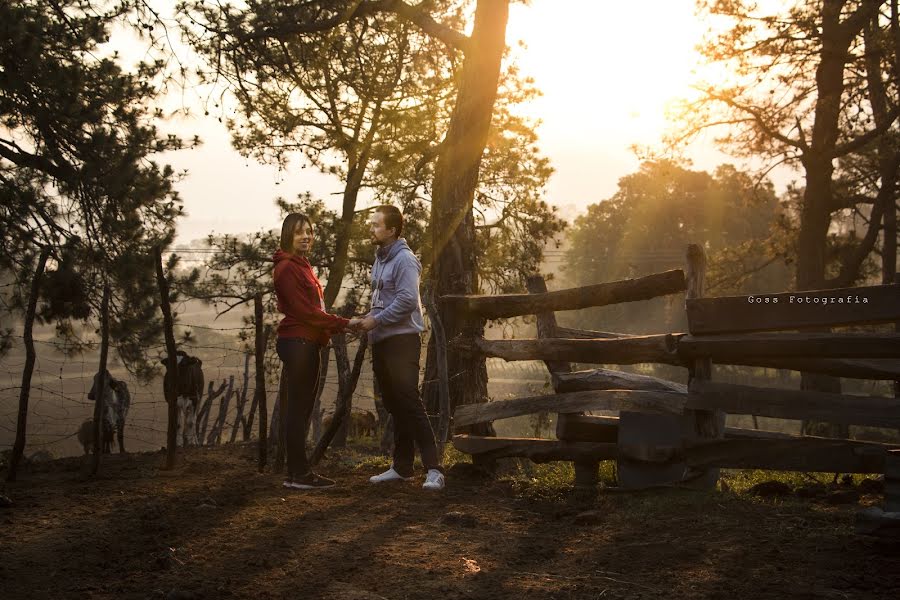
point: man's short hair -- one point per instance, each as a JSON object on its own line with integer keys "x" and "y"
{"x": 392, "y": 217}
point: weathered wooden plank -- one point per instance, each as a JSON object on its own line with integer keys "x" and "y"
{"x": 622, "y": 351}
{"x": 708, "y": 424}
{"x": 547, "y": 327}
{"x": 608, "y": 379}
{"x": 590, "y": 428}
{"x": 795, "y": 404}
{"x": 792, "y": 454}
{"x": 514, "y": 305}
{"x": 726, "y": 348}
{"x": 573, "y": 402}
{"x": 855, "y": 368}
{"x": 538, "y": 450}
{"x": 587, "y": 428}
{"x": 588, "y": 334}
{"x": 794, "y": 310}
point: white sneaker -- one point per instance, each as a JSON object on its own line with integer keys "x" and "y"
{"x": 389, "y": 475}
{"x": 434, "y": 480}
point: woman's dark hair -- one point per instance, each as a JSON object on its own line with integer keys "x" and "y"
{"x": 291, "y": 222}
{"x": 392, "y": 217}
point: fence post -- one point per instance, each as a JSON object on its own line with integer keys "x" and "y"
{"x": 587, "y": 474}
{"x": 707, "y": 423}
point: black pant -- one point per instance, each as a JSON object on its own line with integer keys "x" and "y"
{"x": 395, "y": 361}
{"x": 301, "y": 361}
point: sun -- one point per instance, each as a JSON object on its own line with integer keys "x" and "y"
{"x": 606, "y": 68}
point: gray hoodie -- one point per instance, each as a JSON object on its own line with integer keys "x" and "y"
{"x": 396, "y": 305}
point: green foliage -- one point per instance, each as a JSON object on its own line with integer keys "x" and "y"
{"x": 75, "y": 165}
{"x": 369, "y": 99}
{"x": 646, "y": 225}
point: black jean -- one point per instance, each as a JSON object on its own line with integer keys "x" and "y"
{"x": 301, "y": 362}
{"x": 395, "y": 361}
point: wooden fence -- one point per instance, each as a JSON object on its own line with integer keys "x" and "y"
{"x": 668, "y": 432}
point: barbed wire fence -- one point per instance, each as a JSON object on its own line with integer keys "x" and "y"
{"x": 58, "y": 403}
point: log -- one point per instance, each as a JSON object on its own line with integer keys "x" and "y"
{"x": 641, "y": 401}
{"x": 547, "y": 328}
{"x": 726, "y": 348}
{"x": 538, "y": 450}
{"x": 795, "y": 404}
{"x": 708, "y": 424}
{"x": 514, "y": 305}
{"x": 854, "y": 368}
{"x": 588, "y": 334}
{"x": 794, "y": 310}
{"x": 809, "y": 454}
{"x": 589, "y": 428}
{"x": 623, "y": 351}
{"x": 608, "y": 379}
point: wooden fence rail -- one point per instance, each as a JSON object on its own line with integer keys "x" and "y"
{"x": 602, "y": 294}
{"x": 794, "y": 310}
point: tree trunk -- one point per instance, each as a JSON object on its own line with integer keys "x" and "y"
{"x": 30, "y": 357}
{"x": 454, "y": 268}
{"x": 172, "y": 368}
{"x": 815, "y": 215}
{"x": 260, "y": 394}
{"x": 338, "y": 269}
{"x": 101, "y": 382}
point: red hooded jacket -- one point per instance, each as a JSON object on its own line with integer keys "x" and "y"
{"x": 300, "y": 298}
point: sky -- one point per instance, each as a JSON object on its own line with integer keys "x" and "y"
{"x": 607, "y": 71}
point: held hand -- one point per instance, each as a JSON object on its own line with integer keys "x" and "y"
{"x": 367, "y": 324}
{"x": 353, "y": 325}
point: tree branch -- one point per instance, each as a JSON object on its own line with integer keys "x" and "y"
{"x": 416, "y": 14}
{"x": 869, "y": 136}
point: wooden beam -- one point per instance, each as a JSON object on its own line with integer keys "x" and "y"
{"x": 588, "y": 334}
{"x": 547, "y": 327}
{"x": 590, "y": 428}
{"x": 725, "y": 348}
{"x": 794, "y": 454}
{"x": 514, "y": 305}
{"x": 608, "y": 379}
{"x": 535, "y": 449}
{"x": 708, "y": 424}
{"x": 795, "y": 404}
{"x": 855, "y": 368}
{"x": 639, "y": 401}
{"x": 587, "y": 428}
{"x": 623, "y": 351}
{"x": 794, "y": 310}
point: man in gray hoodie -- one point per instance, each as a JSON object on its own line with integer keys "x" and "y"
{"x": 395, "y": 325}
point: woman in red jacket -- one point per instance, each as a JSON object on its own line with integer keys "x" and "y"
{"x": 305, "y": 328}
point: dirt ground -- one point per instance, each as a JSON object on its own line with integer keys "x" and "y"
{"x": 215, "y": 528}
